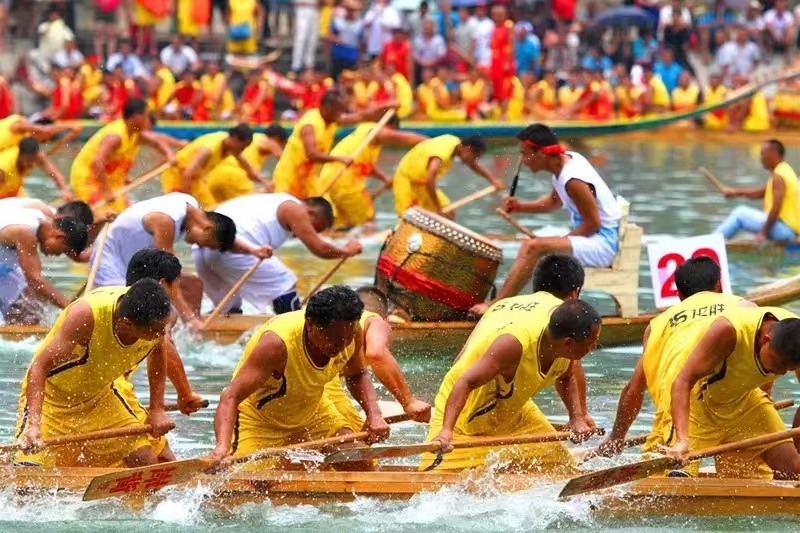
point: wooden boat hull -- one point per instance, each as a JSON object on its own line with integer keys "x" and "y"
{"x": 702, "y": 496}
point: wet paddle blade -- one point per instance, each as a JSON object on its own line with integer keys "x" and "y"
{"x": 380, "y": 452}
{"x": 618, "y": 475}
{"x": 144, "y": 479}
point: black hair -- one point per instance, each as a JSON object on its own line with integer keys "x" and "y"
{"x": 323, "y": 207}
{"x": 394, "y": 121}
{"x": 375, "y": 292}
{"x": 242, "y": 132}
{"x": 133, "y": 107}
{"x": 697, "y": 274}
{"x": 538, "y": 134}
{"x": 77, "y": 209}
{"x": 558, "y": 274}
{"x": 145, "y": 303}
{"x": 334, "y": 303}
{"x": 153, "y": 263}
{"x": 573, "y": 319}
{"x": 276, "y": 131}
{"x": 776, "y": 145}
{"x": 785, "y": 339}
{"x": 224, "y": 230}
{"x": 475, "y": 143}
{"x": 331, "y": 98}
{"x": 75, "y": 233}
{"x": 29, "y": 146}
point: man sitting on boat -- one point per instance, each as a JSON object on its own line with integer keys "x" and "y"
{"x": 717, "y": 397}
{"x": 23, "y": 287}
{"x": 780, "y": 218}
{"x": 67, "y": 392}
{"x": 414, "y": 182}
{"x": 521, "y": 346}
{"x": 668, "y": 341}
{"x": 594, "y": 212}
{"x": 267, "y": 221}
{"x": 277, "y": 394}
{"x": 159, "y": 222}
{"x": 377, "y": 350}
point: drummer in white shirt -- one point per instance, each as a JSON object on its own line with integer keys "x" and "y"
{"x": 594, "y": 227}
{"x": 267, "y": 220}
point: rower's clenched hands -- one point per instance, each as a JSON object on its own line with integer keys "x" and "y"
{"x": 263, "y": 252}
{"x": 581, "y": 428}
{"x": 160, "y": 422}
{"x": 378, "y": 429}
{"x": 218, "y": 459}
{"x": 610, "y": 447}
{"x": 352, "y": 248}
{"x": 31, "y": 441}
{"x": 444, "y": 439}
{"x": 510, "y": 203}
{"x": 418, "y": 411}
{"x": 677, "y": 451}
{"x": 190, "y": 404}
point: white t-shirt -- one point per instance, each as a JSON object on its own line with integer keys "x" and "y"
{"x": 780, "y": 24}
{"x": 256, "y": 218}
{"x": 483, "y": 37}
{"x": 578, "y": 167}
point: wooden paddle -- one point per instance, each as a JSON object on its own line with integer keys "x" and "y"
{"x": 713, "y": 179}
{"x": 360, "y": 148}
{"x": 141, "y": 180}
{"x": 153, "y": 477}
{"x": 620, "y": 475}
{"x": 175, "y": 407}
{"x": 231, "y": 293}
{"x": 96, "y": 265}
{"x": 87, "y": 437}
{"x": 512, "y": 191}
{"x": 69, "y": 137}
{"x": 514, "y": 223}
{"x": 325, "y": 278}
{"x": 380, "y": 190}
{"x": 469, "y": 199}
{"x": 386, "y": 452}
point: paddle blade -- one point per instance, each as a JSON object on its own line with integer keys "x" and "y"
{"x": 144, "y": 479}
{"x": 618, "y": 475}
{"x": 379, "y": 452}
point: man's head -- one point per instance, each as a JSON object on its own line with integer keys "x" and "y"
{"x": 76, "y": 209}
{"x": 144, "y": 311}
{"x": 332, "y": 317}
{"x": 135, "y": 113}
{"x": 176, "y": 41}
{"x": 523, "y": 29}
{"x": 239, "y": 138}
{"x": 698, "y": 274}
{"x": 320, "y": 212}
{"x": 772, "y": 153}
{"x": 428, "y": 28}
{"x": 780, "y": 347}
{"x": 211, "y": 230}
{"x": 277, "y": 133}
{"x": 574, "y": 328}
{"x": 471, "y": 149}
{"x": 374, "y": 300}
{"x": 667, "y": 56}
{"x": 155, "y": 264}
{"x": 463, "y": 14}
{"x": 423, "y": 8}
{"x": 63, "y": 236}
{"x": 331, "y": 106}
{"x": 539, "y": 148}
{"x": 28, "y": 153}
{"x": 559, "y": 274}
{"x": 684, "y": 80}
{"x": 499, "y": 14}
{"x": 125, "y": 47}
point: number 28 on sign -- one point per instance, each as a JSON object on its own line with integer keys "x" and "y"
{"x": 667, "y": 255}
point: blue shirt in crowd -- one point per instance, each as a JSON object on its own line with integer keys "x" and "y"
{"x": 669, "y": 74}
{"x": 526, "y": 54}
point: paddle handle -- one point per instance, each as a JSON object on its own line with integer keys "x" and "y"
{"x": 713, "y": 179}
{"x": 97, "y": 257}
{"x": 144, "y": 178}
{"x": 469, "y": 199}
{"x": 69, "y": 137}
{"x": 231, "y": 293}
{"x": 514, "y": 223}
{"x": 753, "y": 442}
{"x": 380, "y": 190}
{"x": 86, "y": 437}
{"x": 514, "y": 182}
{"x": 360, "y": 148}
{"x": 326, "y": 277}
{"x": 174, "y": 406}
{"x": 507, "y": 440}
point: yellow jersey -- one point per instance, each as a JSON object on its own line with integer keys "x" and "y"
{"x": 118, "y": 163}
{"x": 660, "y": 92}
{"x": 9, "y": 138}
{"x": 548, "y": 97}
{"x": 11, "y": 182}
{"x": 166, "y": 89}
{"x": 685, "y": 99}
{"x": 95, "y": 366}
{"x": 790, "y": 208}
{"x": 364, "y": 92}
{"x": 404, "y": 94}
{"x": 354, "y": 177}
{"x": 294, "y": 173}
{"x": 569, "y": 95}
{"x": 736, "y": 377}
{"x": 516, "y": 104}
{"x": 170, "y": 180}
{"x": 414, "y": 165}
{"x": 713, "y": 95}
{"x": 289, "y": 401}
{"x": 496, "y": 404}
{"x": 472, "y": 92}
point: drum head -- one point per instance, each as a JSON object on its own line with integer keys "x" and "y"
{"x": 450, "y": 231}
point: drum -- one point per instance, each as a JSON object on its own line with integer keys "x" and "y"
{"x": 435, "y": 269}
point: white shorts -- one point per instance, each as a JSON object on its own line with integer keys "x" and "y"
{"x": 12, "y": 285}
{"x": 220, "y": 272}
{"x": 594, "y": 251}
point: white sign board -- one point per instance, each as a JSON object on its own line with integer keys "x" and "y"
{"x": 668, "y": 254}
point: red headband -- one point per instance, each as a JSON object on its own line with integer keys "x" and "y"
{"x": 551, "y": 149}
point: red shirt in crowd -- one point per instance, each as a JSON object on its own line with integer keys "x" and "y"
{"x": 396, "y": 53}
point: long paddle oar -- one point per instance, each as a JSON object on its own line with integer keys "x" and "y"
{"x": 69, "y": 137}
{"x": 175, "y": 407}
{"x": 148, "y": 478}
{"x": 326, "y": 277}
{"x": 231, "y": 293}
{"x": 386, "y": 452}
{"x": 512, "y": 191}
{"x": 515, "y": 223}
{"x": 712, "y": 178}
{"x": 87, "y": 437}
{"x": 144, "y": 178}
{"x": 469, "y": 199}
{"x": 619, "y": 475}
{"x": 360, "y": 148}
{"x": 97, "y": 257}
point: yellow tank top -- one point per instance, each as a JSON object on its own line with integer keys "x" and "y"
{"x": 97, "y": 365}
{"x": 364, "y": 162}
{"x": 211, "y": 141}
{"x": 167, "y": 87}
{"x": 547, "y": 99}
{"x": 120, "y": 161}
{"x": 364, "y": 92}
{"x": 517, "y": 102}
{"x": 568, "y": 96}
{"x": 790, "y": 209}
{"x": 242, "y": 11}
{"x": 741, "y": 372}
{"x": 211, "y": 85}
{"x": 92, "y": 77}
{"x": 404, "y": 93}
{"x": 7, "y": 137}
{"x": 673, "y": 336}
{"x": 660, "y": 92}
{"x": 11, "y": 184}
{"x": 294, "y": 155}
{"x": 252, "y": 154}
{"x": 684, "y": 99}
{"x": 290, "y": 400}
{"x": 716, "y": 94}
{"x": 427, "y": 99}
{"x": 496, "y": 404}
{"x": 472, "y": 91}
{"x": 414, "y": 164}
